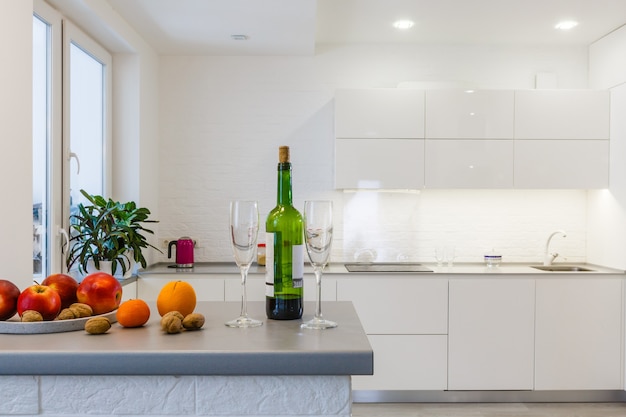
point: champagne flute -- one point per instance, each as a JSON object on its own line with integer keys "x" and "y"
{"x": 318, "y": 235}
{"x": 244, "y": 228}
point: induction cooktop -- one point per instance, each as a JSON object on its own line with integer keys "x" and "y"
{"x": 386, "y": 267}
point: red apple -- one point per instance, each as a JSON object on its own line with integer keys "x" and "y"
{"x": 8, "y": 299}
{"x": 40, "y": 298}
{"x": 101, "y": 291}
{"x": 65, "y": 285}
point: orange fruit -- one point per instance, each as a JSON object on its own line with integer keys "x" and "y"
{"x": 133, "y": 313}
{"x": 176, "y": 296}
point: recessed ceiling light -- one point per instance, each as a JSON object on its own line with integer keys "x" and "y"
{"x": 403, "y": 24}
{"x": 239, "y": 37}
{"x": 566, "y": 25}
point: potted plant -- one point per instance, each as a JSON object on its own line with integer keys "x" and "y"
{"x": 107, "y": 230}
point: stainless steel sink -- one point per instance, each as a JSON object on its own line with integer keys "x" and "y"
{"x": 563, "y": 268}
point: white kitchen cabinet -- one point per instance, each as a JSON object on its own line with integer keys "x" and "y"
{"x": 469, "y": 114}
{"x": 574, "y": 164}
{"x": 406, "y": 362}
{"x": 406, "y": 320}
{"x": 468, "y": 163}
{"x": 491, "y": 334}
{"x": 209, "y": 288}
{"x": 129, "y": 290}
{"x": 394, "y": 305}
{"x": 562, "y": 114}
{"x": 255, "y": 288}
{"x": 379, "y": 113}
{"x": 379, "y": 163}
{"x": 578, "y": 334}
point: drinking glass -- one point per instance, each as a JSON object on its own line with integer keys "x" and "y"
{"x": 244, "y": 228}
{"x": 318, "y": 236}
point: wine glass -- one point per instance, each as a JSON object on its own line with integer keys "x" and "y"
{"x": 318, "y": 235}
{"x": 244, "y": 228}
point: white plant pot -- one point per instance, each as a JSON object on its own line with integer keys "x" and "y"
{"x": 107, "y": 266}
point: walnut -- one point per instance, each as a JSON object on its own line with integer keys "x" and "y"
{"x": 66, "y": 314}
{"x": 165, "y": 320}
{"x": 81, "y": 310}
{"x": 31, "y": 315}
{"x": 171, "y": 324}
{"x": 193, "y": 321}
{"x": 97, "y": 325}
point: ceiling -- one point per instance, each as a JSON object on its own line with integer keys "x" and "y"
{"x": 295, "y": 27}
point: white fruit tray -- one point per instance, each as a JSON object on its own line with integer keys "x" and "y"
{"x": 15, "y": 326}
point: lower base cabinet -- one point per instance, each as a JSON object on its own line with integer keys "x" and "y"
{"x": 578, "y": 334}
{"x": 406, "y": 321}
{"x": 406, "y": 362}
{"x": 491, "y": 334}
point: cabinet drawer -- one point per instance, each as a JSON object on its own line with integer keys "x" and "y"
{"x": 406, "y": 363}
{"x": 398, "y": 305}
{"x": 255, "y": 288}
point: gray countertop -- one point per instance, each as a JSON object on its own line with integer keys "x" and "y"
{"x": 459, "y": 269}
{"x": 276, "y": 348}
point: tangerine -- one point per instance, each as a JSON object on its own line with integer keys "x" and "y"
{"x": 176, "y": 296}
{"x": 133, "y": 313}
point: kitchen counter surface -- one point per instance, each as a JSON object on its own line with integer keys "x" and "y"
{"x": 276, "y": 348}
{"x": 222, "y": 268}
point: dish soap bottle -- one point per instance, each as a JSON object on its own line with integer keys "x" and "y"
{"x": 284, "y": 251}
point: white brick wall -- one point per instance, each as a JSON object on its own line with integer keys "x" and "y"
{"x": 223, "y": 118}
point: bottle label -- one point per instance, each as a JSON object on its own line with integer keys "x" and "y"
{"x": 297, "y": 271}
{"x": 269, "y": 264}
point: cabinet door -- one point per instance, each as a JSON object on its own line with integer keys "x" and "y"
{"x": 561, "y": 164}
{"x": 578, "y": 334}
{"x": 379, "y": 113}
{"x": 389, "y": 305}
{"x": 491, "y": 334}
{"x": 255, "y": 288}
{"x": 379, "y": 163}
{"x": 207, "y": 289}
{"x": 469, "y": 163}
{"x": 562, "y": 114}
{"x": 406, "y": 362}
{"x": 480, "y": 114}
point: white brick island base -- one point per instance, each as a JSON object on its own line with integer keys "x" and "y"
{"x": 187, "y": 395}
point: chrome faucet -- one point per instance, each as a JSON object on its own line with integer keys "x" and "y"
{"x": 548, "y": 257}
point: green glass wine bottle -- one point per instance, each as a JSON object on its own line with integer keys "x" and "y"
{"x": 284, "y": 250}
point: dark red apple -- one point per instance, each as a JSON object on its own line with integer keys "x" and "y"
{"x": 40, "y": 298}
{"x": 8, "y": 299}
{"x": 65, "y": 285}
{"x": 101, "y": 291}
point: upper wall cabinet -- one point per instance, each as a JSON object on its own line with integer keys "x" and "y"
{"x": 562, "y": 114}
{"x": 471, "y": 114}
{"x": 379, "y": 113}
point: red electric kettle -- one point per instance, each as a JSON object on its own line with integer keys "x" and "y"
{"x": 184, "y": 252}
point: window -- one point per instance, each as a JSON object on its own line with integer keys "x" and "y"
{"x": 70, "y": 152}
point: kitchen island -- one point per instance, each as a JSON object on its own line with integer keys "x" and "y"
{"x": 277, "y": 369}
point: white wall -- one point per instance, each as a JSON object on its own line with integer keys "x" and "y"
{"x": 607, "y": 208}
{"x": 223, "y": 118}
{"x": 16, "y": 40}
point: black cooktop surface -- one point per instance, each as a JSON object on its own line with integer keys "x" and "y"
{"x": 386, "y": 267}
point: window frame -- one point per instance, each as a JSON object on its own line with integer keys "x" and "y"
{"x": 63, "y": 32}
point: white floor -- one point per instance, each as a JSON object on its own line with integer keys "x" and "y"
{"x": 490, "y": 410}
